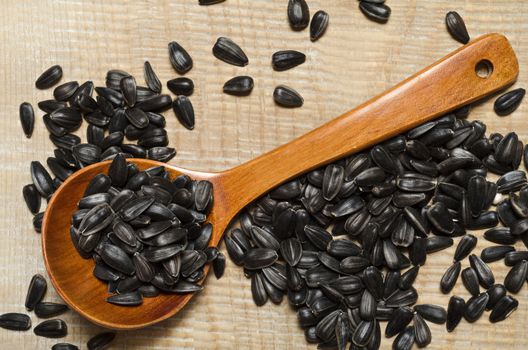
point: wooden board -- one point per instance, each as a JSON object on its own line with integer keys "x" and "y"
{"x": 355, "y": 60}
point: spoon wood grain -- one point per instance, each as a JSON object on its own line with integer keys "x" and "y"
{"x": 444, "y": 86}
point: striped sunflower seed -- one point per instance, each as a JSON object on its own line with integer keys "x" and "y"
{"x": 184, "y": 111}
{"x": 37, "y": 289}
{"x": 287, "y": 97}
{"x": 101, "y": 341}
{"x": 298, "y": 14}
{"x": 126, "y": 299}
{"x": 456, "y": 27}
{"x": 49, "y": 77}
{"x": 15, "y": 321}
{"x": 239, "y": 86}
{"x": 455, "y": 311}
{"x": 228, "y": 51}
{"x": 51, "y": 329}
{"x": 46, "y": 309}
{"x": 450, "y": 277}
{"x": 287, "y": 59}
{"x": 27, "y": 118}
{"x": 504, "y": 308}
{"x": 508, "y": 102}
{"x": 180, "y": 59}
{"x": 151, "y": 78}
{"x": 319, "y": 24}
{"x": 378, "y": 12}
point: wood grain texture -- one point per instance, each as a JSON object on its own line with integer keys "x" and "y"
{"x": 356, "y": 59}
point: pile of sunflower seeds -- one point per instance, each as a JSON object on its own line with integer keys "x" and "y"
{"x": 345, "y": 242}
{"x": 54, "y": 328}
{"x": 145, "y": 232}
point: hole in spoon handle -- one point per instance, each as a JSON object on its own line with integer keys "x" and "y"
{"x": 442, "y": 87}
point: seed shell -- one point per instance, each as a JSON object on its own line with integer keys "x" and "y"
{"x": 180, "y": 59}
{"x": 228, "y": 51}
{"x": 508, "y": 102}
{"x": 319, "y": 24}
{"x": 456, "y": 27}
{"x": 184, "y": 111}
{"x": 239, "y": 86}
{"x": 49, "y": 77}
{"x": 51, "y": 329}
{"x": 287, "y": 97}
{"x": 15, "y": 321}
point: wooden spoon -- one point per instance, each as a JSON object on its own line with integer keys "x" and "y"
{"x": 444, "y": 86}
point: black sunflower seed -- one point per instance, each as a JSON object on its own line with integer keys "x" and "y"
{"x": 484, "y": 273}
{"x": 128, "y": 89}
{"x": 181, "y": 60}
{"x": 184, "y": 111}
{"x": 37, "y": 289}
{"x": 508, "y": 102}
{"x": 298, "y": 14}
{"x": 87, "y": 153}
{"x": 219, "y": 265}
{"x": 49, "y": 106}
{"x": 319, "y": 24}
{"x": 377, "y": 12}
{"x": 456, "y": 27}
{"x": 404, "y": 340}
{"x": 181, "y": 86}
{"x": 407, "y": 279}
{"x": 475, "y": 307}
{"x": 37, "y": 221}
{"x": 470, "y": 280}
{"x": 100, "y": 341}
{"x": 364, "y": 333}
{"x": 455, "y": 311}
{"x": 27, "y": 118}
{"x": 116, "y": 258}
{"x": 67, "y": 117}
{"x": 422, "y": 333}
{"x": 260, "y": 297}
{"x": 491, "y": 254}
{"x": 15, "y": 321}
{"x": 465, "y": 246}
{"x": 151, "y": 78}
{"x": 291, "y": 251}
{"x": 402, "y": 298}
{"x": 239, "y": 86}
{"x": 287, "y": 59}
{"x": 161, "y": 154}
{"x": 287, "y": 97}
{"x": 65, "y": 91}
{"x": 51, "y": 329}
{"x": 433, "y": 313}
{"x": 450, "y": 277}
{"x": 401, "y": 317}
{"x": 503, "y": 309}
{"x": 228, "y": 51}
{"x": 32, "y": 198}
{"x": 516, "y": 277}
{"x": 50, "y": 77}
{"x": 46, "y": 309}
{"x": 126, "y": 299}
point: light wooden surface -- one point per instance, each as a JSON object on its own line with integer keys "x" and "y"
{"x": 355, "y": 60}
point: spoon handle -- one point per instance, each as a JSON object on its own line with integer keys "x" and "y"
{"x": 442, "y": 87}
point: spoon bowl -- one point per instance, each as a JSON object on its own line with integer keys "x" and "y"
{"x": 450, "y": 83}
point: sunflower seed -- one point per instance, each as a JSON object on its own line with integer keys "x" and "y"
{"x": 15, "y": 321}
{"x": 455, "y": 311}
{"x": 422, "y": 333}
{"x": 128, "y": 89}
{"x": 438, "y": 243}
{"x": 287, "y": 59}
{"x": 181, "y": 61}
{"x": 491, "y": 254}
{"x": 484, "y": 273}
{"x": 51, "y": 329}
{"x": 433, "y": 313}
{"x": 374, "y": 11}
{"x": 184, "y": 111}
{"x": 470, "y": 280}
{"x": 260, "y": 297}
{"x": 407, "y": 279}
{"x": 64, "y": 346}
{"x": 516, "y": 277}
{"x": 46, "y": 310}
{"x": 37, "y": 289}
{"x": 402, "y": 298}
{"x": 32, "y": 198}
{"x": 219, "y": 265}
{"x": 456, "y": 27}
{"x": 401, "y": 317}
{"x": 404, "y": 340}
{"x": 298, "y": 14}
{"x": 116, "y": 258}
{"x": 364, "y": 333}
{"x": 27, "y": 118}
{"x": 239, "y": 86}
{"x": 49, "y": 77}
{"x": 100, "y": 341}
{"x": 41, "y": 179}
{"x": 228, "y": 51}
{"x": 287, "y": 97}
{"x": 465, "y": 246}
{"x": 503, "y": 309}
{"x": 126, "y": 299}
{"x": 319, "y": 24}
{"x": 508, "y": 102}
{"x": 475, "y": 307}
{"x": 450, "y": 278}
